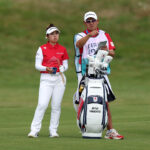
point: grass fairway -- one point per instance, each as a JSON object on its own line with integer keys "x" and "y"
{"x": 16, "y": 114}
{"x": 22, "y": 24}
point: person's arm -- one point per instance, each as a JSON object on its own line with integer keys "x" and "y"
{"x": 80, "y": 43}
{"x": 39, "y": 60}
{"x": 111, "y": 53}
{"x": 111, "y": 47}
{"x": 64, "y": 66}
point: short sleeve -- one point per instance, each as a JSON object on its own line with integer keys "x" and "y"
{"x": 78, "y": 36}
{"x": 65, "y": 57}
{"x": 110, "y": 42}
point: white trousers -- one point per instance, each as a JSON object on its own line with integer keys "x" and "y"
{"x": 51, "y": 86}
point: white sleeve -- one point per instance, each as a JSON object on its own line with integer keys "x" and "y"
{"x": 78, "y": 37}
{"x": 65, "y": 64}
{"x": 77, "y": 52}
{"x": 39, "y": 60}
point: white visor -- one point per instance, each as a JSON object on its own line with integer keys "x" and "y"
{"x": 51, "y": 30}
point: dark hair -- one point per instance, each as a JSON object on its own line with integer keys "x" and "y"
{"x": 50, "y": 25}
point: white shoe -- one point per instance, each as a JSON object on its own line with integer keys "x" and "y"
{"x": 33, "y": 134}
{"x": 54, "y": 135}
{"x": 113, "y": 134}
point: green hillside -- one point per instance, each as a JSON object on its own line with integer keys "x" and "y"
{"x": 22, "y": 31}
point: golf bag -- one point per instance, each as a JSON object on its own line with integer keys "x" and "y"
{"x": 92, "y": 114}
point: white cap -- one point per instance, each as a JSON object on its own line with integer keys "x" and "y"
{"x": 51, "y": 30}
{"x": 90, "y": 14}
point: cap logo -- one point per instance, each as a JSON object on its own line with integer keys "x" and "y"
{"x": 90, "y": 14}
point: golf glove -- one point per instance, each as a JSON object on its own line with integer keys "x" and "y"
{"x": 61, "y": 68}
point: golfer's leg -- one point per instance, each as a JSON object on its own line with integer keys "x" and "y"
{"x": 45, "y": 92}
{"x": 57, "y": 97}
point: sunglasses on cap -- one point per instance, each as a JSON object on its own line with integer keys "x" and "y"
{"x": 91, "y": 20}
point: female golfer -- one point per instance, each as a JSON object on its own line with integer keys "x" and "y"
{"x": 51, "y": 61}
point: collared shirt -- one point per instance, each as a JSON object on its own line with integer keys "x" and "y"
{"x": 89, "y": 48}
{"x": 50, "y": 56}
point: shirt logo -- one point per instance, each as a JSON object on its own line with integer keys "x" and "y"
{"x": 92, "y": 48}
{"x": 59, "y": 53}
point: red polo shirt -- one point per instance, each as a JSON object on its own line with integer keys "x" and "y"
{"x": 53, "y": 55}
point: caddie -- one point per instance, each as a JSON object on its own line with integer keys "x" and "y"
{"x": 85, "y": 44}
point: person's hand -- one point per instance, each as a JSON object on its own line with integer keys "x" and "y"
{"x": 49, "y": 70}
{"x": 104, "y": 48}
{"x": 61, "y": 68}
{"x": 93, "y": 33}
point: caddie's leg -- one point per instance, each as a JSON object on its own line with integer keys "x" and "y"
{"x": 109, "y": 126}
{"x": 111, "y": 132}
{"x": 57, "y": 97}
{"x": 45, "y": 92}
{"x": 79, "y": 76}
{"x": 76, "y": 94}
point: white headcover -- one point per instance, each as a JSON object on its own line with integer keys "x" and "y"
{"x": 101, "y": 54}
{"x": 51, "y": 30}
